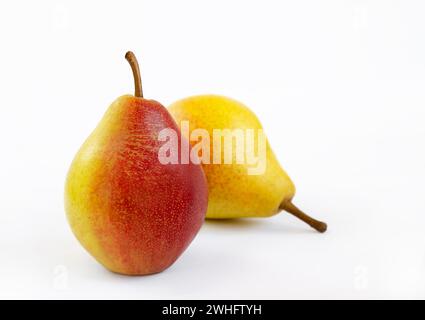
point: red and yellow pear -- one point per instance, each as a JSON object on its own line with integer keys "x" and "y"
{"x": 133, "y": 214}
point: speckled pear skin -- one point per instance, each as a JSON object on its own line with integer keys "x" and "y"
{"x": 132, "y": 214}
{"x": 232, "y": 192}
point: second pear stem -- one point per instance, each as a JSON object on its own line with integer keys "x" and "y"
{"x": 315, "y": 224}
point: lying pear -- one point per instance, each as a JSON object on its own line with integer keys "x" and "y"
{"x": 133, "y": 214}
{"x": 233, "y": 191}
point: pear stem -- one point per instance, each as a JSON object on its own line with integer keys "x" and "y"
{"x": 288, "y": 206}
{"x": 131, "y": 58}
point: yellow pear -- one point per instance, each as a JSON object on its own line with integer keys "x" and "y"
{"x": 237, "y": 187}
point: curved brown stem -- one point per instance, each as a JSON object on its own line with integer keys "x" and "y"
{"x": 131, "y": 58}
{"x": 288, "y": 206}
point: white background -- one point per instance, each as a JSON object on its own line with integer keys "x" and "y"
{"x": 338, "y": 85}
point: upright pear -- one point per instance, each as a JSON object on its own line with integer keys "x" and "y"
{"x": 234, "y": 190}
{"x": 130, "y": 212}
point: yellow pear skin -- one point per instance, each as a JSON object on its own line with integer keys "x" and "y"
{"x": 233, "y": 193}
